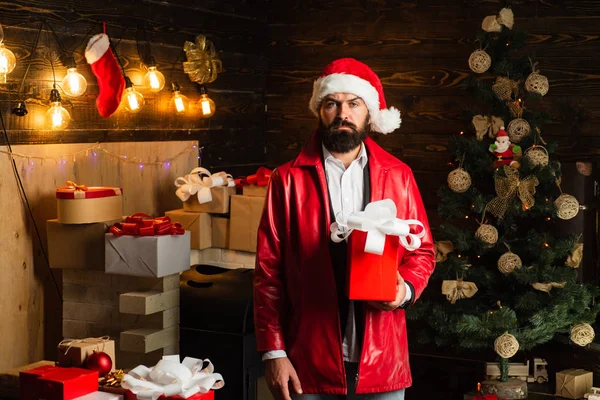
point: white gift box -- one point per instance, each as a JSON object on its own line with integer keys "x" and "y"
{"x": 154, "y": 256}
{"x": 101, "y": 396}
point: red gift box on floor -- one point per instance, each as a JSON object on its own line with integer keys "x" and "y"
{"x": 371, "y": 276}
{"x": 57, "y": 383}
{"x": 198, "y": 396}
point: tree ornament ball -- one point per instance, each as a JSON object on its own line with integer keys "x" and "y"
{"x": 480, "y": 61}
{"x": 567, "y": 206}
{"x": 508, "y": 262}
{"x": 582, "y": 334}
{"x": 459, "y": 180}
{"x": 488, "y": 234}
{"x": 537, "y": 156}
{"x": 506, "y": 345}
{"x": 537, "y": 83}
{"x": 99, "y": 361}
{"x": 518, "y": 129}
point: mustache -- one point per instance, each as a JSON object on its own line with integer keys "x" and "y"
{"x": 338, "y": 122}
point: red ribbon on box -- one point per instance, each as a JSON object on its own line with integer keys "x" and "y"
{"x": 143, "y": 225}
{"x": 260, "y": 178}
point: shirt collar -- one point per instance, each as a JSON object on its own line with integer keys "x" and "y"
{"x": 362, "y": 155}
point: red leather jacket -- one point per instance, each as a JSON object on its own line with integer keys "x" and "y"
{"x": 295, "y": 300}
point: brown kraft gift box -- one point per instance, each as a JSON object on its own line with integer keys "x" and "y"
{"x": 218, "y": 205}
{"x": 246, "y": 212}
{"x": 199, "y": 224}
{"x": 78, "y": 246}
{"x": 220, "y": 232}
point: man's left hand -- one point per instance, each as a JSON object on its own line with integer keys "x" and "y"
{"x": 392, "y": 305}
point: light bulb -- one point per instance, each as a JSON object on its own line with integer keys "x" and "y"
{"x": 133, "y": 99}
{"x": 7, "y": 62}
{"x": 74, "y": 84}
{"x": 154, "y": 79}
{"x": 57, "y": 117}
{"x": 206, "y": 105}
{"x": 179, "y": 101}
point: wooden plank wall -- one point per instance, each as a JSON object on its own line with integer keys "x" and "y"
{"x": 29, "y": 304}
{"x": 420, "y": 48}
{"x": 232, "y": 138}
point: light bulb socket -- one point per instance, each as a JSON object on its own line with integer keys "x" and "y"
{"x": 128, "y": 82}
{"x": 151, "y": 62}
{"x": 54, "y": 96}
{"x": 69, "y": 62}
{"x": 175, "y": 86}
{"x": 20, "y": 110}
{"x": 203, "y": 89}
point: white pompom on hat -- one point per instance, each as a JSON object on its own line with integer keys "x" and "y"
{"x": 347, "y": 75}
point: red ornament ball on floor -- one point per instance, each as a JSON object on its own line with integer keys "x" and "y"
{"x": 99, "y": 361}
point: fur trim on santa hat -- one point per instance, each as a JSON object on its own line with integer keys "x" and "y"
{"x": 382, "y": 121}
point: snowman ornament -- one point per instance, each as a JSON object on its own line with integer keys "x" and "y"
{"x": 504, "y": 151}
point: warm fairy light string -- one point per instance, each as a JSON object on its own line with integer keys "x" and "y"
{"x": 96, "y": 149}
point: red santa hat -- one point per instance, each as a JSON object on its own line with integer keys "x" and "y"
{"x": 347, "y": 75}
{"x": 501, "y": 132}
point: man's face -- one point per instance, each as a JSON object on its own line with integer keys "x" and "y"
{"x": 343, "y": 122}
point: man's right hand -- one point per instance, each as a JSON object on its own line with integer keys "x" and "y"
{"x": 281, "y": 376}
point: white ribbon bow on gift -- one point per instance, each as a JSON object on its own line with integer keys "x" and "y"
{"x": 378, "y": 219}
{"x": 170, "y": 377}
{"x": 199, "y": 181}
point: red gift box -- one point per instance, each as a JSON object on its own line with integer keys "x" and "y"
{"x": 57, "y": 383}
{"x": 198, "y": 396}
{"x": 371, "y": 276}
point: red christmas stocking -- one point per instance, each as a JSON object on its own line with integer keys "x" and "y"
{"x": 110, "y": 80}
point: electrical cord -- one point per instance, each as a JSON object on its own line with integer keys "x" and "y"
{"x": 26, "y": 201}
{"x": 33, "y": 49}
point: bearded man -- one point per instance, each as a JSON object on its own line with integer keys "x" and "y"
{"x": 315, "y": 342}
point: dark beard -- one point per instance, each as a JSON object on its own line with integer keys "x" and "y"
{"x": 342, "y": 141}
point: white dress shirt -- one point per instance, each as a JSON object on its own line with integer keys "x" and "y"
{"x": 346, "y": 191}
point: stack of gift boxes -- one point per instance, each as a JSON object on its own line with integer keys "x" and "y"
{"x": 123, "y": 287}
{"x": 224, "y": 229}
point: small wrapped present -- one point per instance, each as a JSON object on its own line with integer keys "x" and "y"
{"x": 573, "y": 383}
{"x": 77, "y": 246}
{"x": 246, "y": 212}
{"x": 142, "y": 246}
{"x": 73, "y": 352}
{"x": 220, "y": 232}
{"x": 174, "y": 379}
{"x": 204, "y": 192}
{"x": 375, "y": 236}
{"x": 199, "y": 225}
{"x": 256, "y": 184}
{"x": 57, "y": 383}
{"x": 79, "y": 204}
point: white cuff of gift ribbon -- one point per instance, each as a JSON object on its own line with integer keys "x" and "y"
{"x": 273, "y": 354}
{"x": 192, "y": 184}
{"x": 378, "y": 220}
{"x": 170, "y": 377}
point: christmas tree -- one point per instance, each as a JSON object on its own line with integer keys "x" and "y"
{"x": 508, "y": 280}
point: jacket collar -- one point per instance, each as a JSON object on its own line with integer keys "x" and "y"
{"x": 312, "y": 153}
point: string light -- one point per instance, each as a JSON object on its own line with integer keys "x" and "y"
{"x": 93, "y": 151}
{"x": 461, "y": 132}
{"x": 154, "y": 79}
{"x": 206, "y": 105}
{"x": 133, "y": 99}
{"x": 8, "y": 60}
{"x": 57, "y": 118}
{"x": 179, "y": 101}
{"x": 548, "y": 218}
{"x": 466, "y": 217}
{"x": 546, "y": 244}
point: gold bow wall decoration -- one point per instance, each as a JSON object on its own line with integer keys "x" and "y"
{"x": 202, "y": 64}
